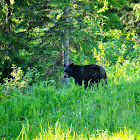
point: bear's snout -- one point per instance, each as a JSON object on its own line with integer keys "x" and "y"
{"x": 65, "y": 75}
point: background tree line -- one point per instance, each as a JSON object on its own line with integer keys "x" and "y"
{"x": 100, "y": 31}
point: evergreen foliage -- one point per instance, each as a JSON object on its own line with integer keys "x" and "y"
{"x": 32, "y": 33}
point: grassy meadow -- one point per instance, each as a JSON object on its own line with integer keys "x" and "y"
{"x": 49, "y": 112}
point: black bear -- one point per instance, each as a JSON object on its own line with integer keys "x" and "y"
{"x": 89, "y": 74}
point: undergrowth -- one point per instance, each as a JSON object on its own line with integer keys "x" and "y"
{"x": 37, "y": 112}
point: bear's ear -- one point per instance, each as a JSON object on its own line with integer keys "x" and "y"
{"x": 72, "y": 64}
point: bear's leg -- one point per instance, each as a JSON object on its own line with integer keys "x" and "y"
{"x": 86, "y": 84}
{"x": 78, "y": 82}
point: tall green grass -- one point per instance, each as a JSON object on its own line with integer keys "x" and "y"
{"x": 86, "y": 114}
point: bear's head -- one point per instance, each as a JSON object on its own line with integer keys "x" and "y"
{"x": 68, "y": 70}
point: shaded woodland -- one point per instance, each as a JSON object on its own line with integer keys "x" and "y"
{"x": 33, "y": 34}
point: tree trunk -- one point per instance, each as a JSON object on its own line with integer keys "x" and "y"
{"x": 139, "y": 19}
{"x": 9, "y": 23}
{"x": 66, "y": 41}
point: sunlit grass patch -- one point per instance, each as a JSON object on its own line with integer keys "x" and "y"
{"x": 57, "y": 133}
